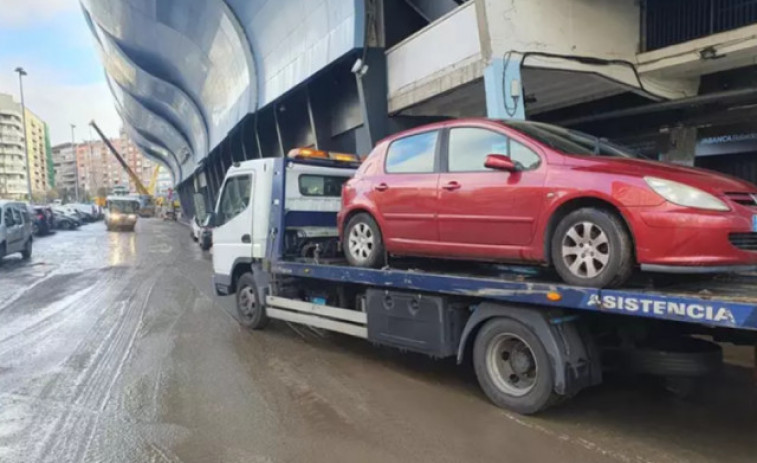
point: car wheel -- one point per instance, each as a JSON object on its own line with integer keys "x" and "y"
{"x": 363, "y": 244}
{"x": 27, "y": 251}
{"x": 65, "y": 225}
{"x": 2, "y": 251}
{"x": 35, "y": 229}
{"x": 591, "y": 247}
{"x": 205, "y": 243}
{"x": 251, "y": 312}
{"x": 512, "y": 367}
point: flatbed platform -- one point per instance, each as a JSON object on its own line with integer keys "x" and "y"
{"x": 723, "y": 301}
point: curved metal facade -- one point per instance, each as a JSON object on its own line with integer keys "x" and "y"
{"x": 185, "y": 72}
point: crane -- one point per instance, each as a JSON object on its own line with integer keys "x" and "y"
{"x": 146, "y": 196}
{"x": 154, "y": 180}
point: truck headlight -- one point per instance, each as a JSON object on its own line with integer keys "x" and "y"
{"x": 685, "y": 195}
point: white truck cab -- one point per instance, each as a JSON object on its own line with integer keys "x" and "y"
{"x": 242, "y": 213}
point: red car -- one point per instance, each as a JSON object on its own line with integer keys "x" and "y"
{"x": 527, "y": 192}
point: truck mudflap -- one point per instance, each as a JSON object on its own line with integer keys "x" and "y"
{"x": 574, "y": 357}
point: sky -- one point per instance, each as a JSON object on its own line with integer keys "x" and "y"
{"x": 65, "y": 82}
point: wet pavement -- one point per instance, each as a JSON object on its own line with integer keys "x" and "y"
{"x": 113, "y": 348}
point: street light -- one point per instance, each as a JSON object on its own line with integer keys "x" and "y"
{"x": 21, "y": 74}
{"x": 76, "y": 164}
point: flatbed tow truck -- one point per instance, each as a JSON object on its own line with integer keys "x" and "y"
{"x": 533, "y": 340}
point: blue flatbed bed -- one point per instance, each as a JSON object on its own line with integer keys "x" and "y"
{"x": 726, "y": 301}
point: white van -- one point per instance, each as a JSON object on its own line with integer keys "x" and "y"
{"x": 15, "y": 229}
{"x": 121, "y": 213}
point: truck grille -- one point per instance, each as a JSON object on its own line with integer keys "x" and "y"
{"x": 745, "y": 241}
{"x": 745, "y": 199}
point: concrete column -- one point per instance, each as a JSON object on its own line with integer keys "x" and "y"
{"x": 504, "y": 88}
{"x": 681, "y": 146}
{"x": 372, "y": 93}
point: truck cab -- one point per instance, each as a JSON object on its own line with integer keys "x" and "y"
{"x": 242, "y": 215}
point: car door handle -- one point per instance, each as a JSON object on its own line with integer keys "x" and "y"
{"x": 452, "y": 186}
{"x": 381, "y": 187}
{"x": 246, "y": 238}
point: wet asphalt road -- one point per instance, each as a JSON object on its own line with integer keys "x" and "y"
{"x": 113, "y": 348}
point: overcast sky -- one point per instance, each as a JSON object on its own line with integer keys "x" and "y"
{"x": 66, "y": 83}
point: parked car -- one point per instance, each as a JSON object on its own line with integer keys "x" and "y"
{"x": 65, "y": 222}
{"x": 527, "y": 192}
{"x": 15, "y": 229}
{"x": 89, "y": 212}
{"x": 42, "y": 219}
{"x": 202, "y": 233}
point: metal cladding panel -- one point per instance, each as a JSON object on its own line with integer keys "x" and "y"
{"x": 197, "y": 67}
{"x": 292, "y": 39}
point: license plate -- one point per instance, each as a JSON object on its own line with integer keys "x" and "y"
{"x": 754, "y": 223}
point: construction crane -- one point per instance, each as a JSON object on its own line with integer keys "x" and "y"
{"x": 153, "y": 180}
{"x": 147, "y": 201}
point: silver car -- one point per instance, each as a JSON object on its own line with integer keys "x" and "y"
{"x": 15, "y": 229}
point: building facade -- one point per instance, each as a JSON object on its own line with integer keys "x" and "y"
{"x": 671, "y": 78}
{"x": 12, "y": 158}
{"x": 98, "y": 170}
{"x": 37, "y": 150}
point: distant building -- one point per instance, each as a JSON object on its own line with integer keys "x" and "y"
{"x": 12, "y": 162}
{"x": 64, "y": 167}
{"x": 35, "y": 143}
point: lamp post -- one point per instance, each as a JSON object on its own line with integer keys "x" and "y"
{"x": 76, "y": 163}
{"x": 21, "y": 73}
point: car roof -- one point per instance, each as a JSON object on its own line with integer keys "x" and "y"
{"x": 6, "y": 202}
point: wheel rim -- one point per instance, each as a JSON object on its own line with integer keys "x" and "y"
{"x": 586, "y": 250}
{"x": 247, "y": 303}
{"x": 512, "y": 365}
{"x": 361, "y": 241}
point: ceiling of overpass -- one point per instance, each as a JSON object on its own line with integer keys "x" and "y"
{"x": 184, "y": 73}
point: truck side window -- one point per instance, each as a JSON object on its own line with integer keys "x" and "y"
{"x": 17, "y": 217}
{"x": 235, "y": 198}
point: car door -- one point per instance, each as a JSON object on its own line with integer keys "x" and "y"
{"x": 484, "y": 212}
{"x": 232, "y": 235}
{"x": 14, "y": 227}
{"x": 405, "y": 194}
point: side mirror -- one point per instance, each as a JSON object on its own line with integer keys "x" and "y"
{"x": 210, "y": 220}
{"x": 499, "y": 162}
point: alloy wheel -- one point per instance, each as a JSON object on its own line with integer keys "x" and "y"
{"x": 586, "y": 250}
{"x": 361, "y": 241}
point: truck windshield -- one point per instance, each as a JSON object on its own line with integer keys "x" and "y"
{"x": 570, "y": 141}
{"x": 321, "y": 185}
{"x": 124, "y": 207}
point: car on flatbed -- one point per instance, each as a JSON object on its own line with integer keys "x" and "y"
{"x": 533, "y": 193}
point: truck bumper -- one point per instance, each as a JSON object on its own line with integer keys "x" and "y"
{"x": 222, "y": 284}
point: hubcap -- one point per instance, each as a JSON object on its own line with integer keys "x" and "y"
{"x": 361, "y": 242}
{"x": 586, "y": 250}
{"x": 511, "y": 365}
{"x": 247, "y": 305}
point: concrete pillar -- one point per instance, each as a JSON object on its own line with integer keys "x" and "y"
{"x": 681, "y": 146}
{"x": 372, "y": 93}
{"x": 504, "y": 88}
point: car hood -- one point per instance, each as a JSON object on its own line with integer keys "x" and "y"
{"x": 711, "y": 181}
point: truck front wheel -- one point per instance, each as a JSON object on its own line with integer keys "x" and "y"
{"x": 249, "y": 308}
{"x": 512, "y": 366}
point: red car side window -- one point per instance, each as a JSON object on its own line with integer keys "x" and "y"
{"x": 414, "y": 154}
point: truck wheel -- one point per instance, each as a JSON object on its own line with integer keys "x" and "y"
{"x": 591, "y": 247}
{"x": 363, "y": 244}
{"x": 513, "y": 367}
{"x": 27, "y": 251}
{"x": 251, "y": 312}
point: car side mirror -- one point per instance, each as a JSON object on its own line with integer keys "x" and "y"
{"x": 499, "y": 162}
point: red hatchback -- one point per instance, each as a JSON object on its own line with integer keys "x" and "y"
{"x": 526, "y": 192}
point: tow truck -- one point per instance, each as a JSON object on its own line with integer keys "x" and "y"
{"x": 533, "y": 340}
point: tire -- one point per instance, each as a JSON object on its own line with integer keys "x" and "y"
{"x": 677, "y": 357}
{"x": 205, "y": 244}
{"x": 602, "y": 245}
{"x": 251, "y": 312}
{"x": 524, "y": 380}
{"x": 27, "y": 252}
{"x": 65, "y": 225}
{"x": 35, "y": 229}
{"x": 2, "y": 252}
{"x": 192, "y": 234}
{"x": 368, "y": 249}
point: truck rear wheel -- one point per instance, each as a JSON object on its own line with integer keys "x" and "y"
{"x": 249, "y": 308}
{"x": 512, "y": 367}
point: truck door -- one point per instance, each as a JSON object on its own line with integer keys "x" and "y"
{"x": 232, "y": 232}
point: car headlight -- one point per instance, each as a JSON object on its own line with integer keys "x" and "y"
{"x": 685, "y": 195}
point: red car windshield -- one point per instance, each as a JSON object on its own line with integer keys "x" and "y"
{"x": 570, "y": 141}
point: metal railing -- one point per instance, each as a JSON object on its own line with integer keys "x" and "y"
{"x": 668, "y": 22}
